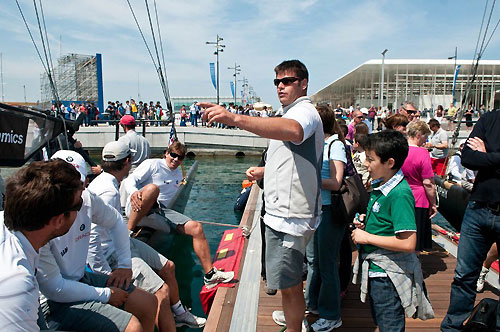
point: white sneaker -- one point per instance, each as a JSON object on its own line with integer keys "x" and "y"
{"x": 218, "y": 277}
{"x": 279, "y": 317}
{"x": 190, "y": 320}
{"x": 480, "y": 280}
{"x": 326, "y": 325}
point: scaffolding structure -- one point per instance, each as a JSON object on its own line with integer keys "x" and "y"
{"x": 75, "y": 79}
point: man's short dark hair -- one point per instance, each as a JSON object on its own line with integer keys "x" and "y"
{"x": 38, "y": 192}
{"x": 361, "y": 139}
{"x": 434, "y": 123}
{"x": 389, "y": 144}
{"x": 295, "y": 66}
{"x": 110, "y": 166}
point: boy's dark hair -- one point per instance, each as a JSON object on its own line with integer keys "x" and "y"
{"x": 295, "y": 66}
{"x": 110, "y": 166}
{"x": 361, "y": 139}
{"x": 389, "y": 144}
{"x": 38, "y": 192}
{"x": 361, "y": 128}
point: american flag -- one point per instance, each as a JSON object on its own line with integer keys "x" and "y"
{"x": 173, "y": 135}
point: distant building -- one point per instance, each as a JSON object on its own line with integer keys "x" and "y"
{"x": 77, "y": 78}
{"x": 427, "y": 83}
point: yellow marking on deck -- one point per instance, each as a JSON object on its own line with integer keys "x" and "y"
{"x": 228, "y": 237}
{"x": 222, "y": 253}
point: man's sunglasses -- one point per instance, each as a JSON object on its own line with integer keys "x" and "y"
{"x": 77, "y": 207}
{"x": 175, "y": 155}
{"x": 360, "y": 117}
{"x": 286, "y": 80}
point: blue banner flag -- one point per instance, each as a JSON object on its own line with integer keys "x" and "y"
{"x": 232, "y": 87}
{"x": 212, "y": 73}
{"x": 457, "y": 69}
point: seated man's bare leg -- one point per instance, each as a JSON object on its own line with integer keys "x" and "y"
{"x": 134, "y": 325}
{"x": 150, "y": 194}
{"x": 294, "y": 307}
{"x": 200, "y": 244}
{"x": 167, "y": 273}
{"x": 142, "y": 305}
{"x": 164, "y": 317}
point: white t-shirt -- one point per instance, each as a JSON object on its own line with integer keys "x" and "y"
{"x": 157, "y": 172}
{"x": 63, "y": 259}
{"x": 18, "y": 285}
{"x": 302, "y": 111}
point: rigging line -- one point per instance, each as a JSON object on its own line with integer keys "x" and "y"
{"x": 51, "y": 81}
{"x": 51, "y": 65}
{"x": 481, "y": 29}
{"x": 491, "y": 36}
{"x": 169, "y": 104}
{"x": 31, "y": 36}
{"x": 481, "y": 50}
{"x": 159, "y": 70}
{"x": 142, "y": 35}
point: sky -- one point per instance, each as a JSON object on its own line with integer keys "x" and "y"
{"x": 331, "y": 37}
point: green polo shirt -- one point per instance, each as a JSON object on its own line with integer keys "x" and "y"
{"x": 391, "y": 210}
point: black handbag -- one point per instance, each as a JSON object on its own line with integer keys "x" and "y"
{"x": 352, "y": 196}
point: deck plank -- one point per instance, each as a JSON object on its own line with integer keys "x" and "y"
{"x": 438, "y": 269}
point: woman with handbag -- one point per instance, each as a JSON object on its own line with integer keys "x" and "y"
{"x": 323, "y": 285}
{"x": 417, "y": 170}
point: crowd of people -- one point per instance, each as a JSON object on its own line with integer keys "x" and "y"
{"x": 70, "y": 263}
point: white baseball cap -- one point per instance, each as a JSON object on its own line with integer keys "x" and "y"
{"x": 116, "y": 150}
{"x": 75, "y": 159}
{"x": 364, "y": 110}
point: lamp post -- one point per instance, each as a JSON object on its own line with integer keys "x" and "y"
{"x": 237, "y": 70}
{"x": 454, "y": 71}
{"x": 381, "y": 101}
{"x": 218, "y": 48}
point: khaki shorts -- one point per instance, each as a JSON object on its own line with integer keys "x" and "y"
{"x": 145, "y": 261}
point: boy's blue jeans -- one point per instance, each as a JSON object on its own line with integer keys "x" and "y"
{"x": 387, "y": 311}
{"x": 480, "y": 229}
{"x": 322, "y": 252}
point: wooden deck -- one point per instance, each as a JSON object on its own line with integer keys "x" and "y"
{"x": 438, "y": 270}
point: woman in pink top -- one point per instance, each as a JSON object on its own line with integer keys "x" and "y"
{"x": 418, "y": 172}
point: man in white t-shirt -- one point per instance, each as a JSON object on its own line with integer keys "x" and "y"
{"x": 42, "y": 201}
{"x": 74, "y": 299}
{"x": 291, "y": 183}
{"x": 157, "y": 181}
{"x": 116, "y": 162}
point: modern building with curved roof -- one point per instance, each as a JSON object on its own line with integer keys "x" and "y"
{"x": 425, "y": 82}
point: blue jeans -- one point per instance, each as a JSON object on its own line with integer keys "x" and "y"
{"x": 387, "y": 311}
{"x": 480, "y": 229}
{"x": 322, "y": 252}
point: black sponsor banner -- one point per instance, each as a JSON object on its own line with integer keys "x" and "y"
{"x": 13, "y": 130}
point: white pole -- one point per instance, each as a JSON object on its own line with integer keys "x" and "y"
{"x": 381, "y": 95}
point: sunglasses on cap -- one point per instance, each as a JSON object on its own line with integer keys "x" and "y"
{"x": 175, "y": 155}
{"x": 77, "y": 207}
{"x": 286, "y": 80}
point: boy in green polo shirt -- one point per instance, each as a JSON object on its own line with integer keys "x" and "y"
{"x": 392, "y": 273}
